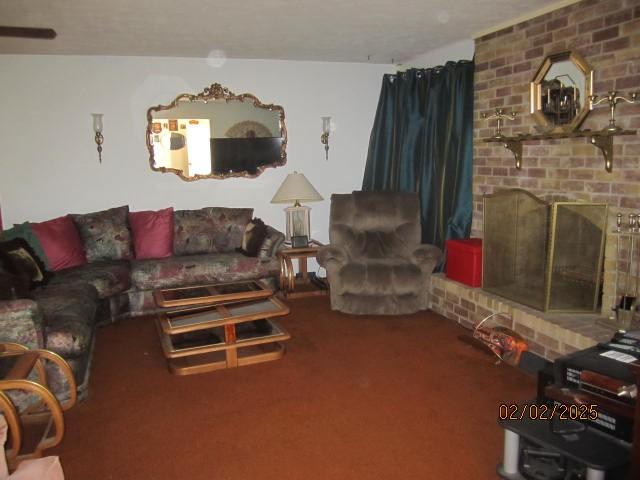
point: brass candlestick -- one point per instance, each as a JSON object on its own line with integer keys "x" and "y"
{"x": 512, "y": 144}
{"x": 612, "y": 98}
{"x": 501, "y": 116}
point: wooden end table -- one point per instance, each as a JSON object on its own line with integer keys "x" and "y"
{"x": 302, "y": 284}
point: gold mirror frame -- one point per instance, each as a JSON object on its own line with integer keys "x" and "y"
{"x": 217, "y": 92}
{"x": 536, "y": 93}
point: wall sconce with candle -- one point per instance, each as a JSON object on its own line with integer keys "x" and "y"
{"x": 97, "y": 128}
{"x": 324, "y": 138}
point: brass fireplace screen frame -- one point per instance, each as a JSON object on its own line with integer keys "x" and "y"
{"x": 548, "y": 256}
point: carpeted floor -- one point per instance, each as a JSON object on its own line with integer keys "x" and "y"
{"x": 353, "y": 398}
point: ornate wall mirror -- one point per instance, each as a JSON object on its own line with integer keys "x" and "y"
{"x": 560, "y": 92}
{"x": 216, "y": 134}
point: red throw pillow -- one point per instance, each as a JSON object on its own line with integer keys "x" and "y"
{"x": 61, "y": 243}
{"x": 152, "y": 233}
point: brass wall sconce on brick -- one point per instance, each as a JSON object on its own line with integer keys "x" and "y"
{"x": 515, "y": 147}
{"x": 612, "y": 98}
{"x": 500, "y": 116}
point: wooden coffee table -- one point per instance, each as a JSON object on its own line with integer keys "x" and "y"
{"x": 224, "y": 333}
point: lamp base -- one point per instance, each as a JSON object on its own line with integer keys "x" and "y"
{"x": 298, "y": 222}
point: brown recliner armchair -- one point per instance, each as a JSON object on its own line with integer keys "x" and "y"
{"x": 375, "y": 263}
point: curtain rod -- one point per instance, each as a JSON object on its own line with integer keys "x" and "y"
{"x": 437, "y": 68}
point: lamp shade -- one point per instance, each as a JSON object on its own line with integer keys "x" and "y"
{"x": 295, "y": 189}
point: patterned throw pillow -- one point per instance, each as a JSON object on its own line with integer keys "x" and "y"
{"x": 209, "y": 230}
{"x": 105, "y": 235}
{"x": 253, "y": 238}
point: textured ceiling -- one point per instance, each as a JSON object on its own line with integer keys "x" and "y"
{"x": 374, "y": 31}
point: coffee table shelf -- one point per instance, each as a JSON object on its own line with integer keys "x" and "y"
{"x": 190, "y": 320}
{"x": 277, "y": 334}
{"x": 211, "y": 294}
{"x": 212, "y": 361}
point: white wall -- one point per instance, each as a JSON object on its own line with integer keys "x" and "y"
{"x": 462, "y": 50}
{"x": 49, "y": 163}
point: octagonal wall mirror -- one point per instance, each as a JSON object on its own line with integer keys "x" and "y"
{"x": 560, "y": 92}
{"x": 216, "y": 134}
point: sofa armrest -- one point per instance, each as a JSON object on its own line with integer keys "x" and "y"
{"x": 332, "y": 256}
{"x": 272, "y": 243}
{"x": 21, "y": 321}
{"x": 427, "y": 257}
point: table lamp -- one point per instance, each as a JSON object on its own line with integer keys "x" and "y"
{"x": 295, "y": 189}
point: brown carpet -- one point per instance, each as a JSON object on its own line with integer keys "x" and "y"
{"x": 353, "y": 398}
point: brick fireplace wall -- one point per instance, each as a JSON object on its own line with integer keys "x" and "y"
{"x": 607, "y": 34}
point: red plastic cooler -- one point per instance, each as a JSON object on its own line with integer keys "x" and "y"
{"x": 464, "y": 261}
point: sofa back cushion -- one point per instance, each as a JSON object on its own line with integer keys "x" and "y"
{"x": 61, "y": 243}
{"x": 105, "y": 235}
{"x": 209, "y": 230}
{"x": 152, "y": 233}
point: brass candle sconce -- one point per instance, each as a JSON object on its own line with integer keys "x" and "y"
{"x": 612, "y": 98}
{"x": 501, "y": 116}
{"x": 507, "y": 142}
{"x": 97, "y": 128}
{"x": 324, "y": 138}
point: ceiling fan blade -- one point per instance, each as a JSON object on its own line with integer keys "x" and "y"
{"x": 27, "y": 32}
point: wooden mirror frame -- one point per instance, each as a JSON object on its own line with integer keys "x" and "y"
{"x": 536, "y": 94}
{"x": 217, "y": 92}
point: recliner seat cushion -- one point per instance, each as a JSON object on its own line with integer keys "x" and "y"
{"x": 195, "y": 269}
{"x": 379, "y": 277}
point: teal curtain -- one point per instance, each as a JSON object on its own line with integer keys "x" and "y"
{"x": 422, "y": 141}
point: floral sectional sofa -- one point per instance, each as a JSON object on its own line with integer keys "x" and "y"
{"x": 111, "y": 267}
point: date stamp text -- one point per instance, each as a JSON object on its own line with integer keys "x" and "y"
{"x": 547, "y": 412}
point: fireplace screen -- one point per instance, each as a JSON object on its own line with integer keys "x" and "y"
{"x": 545, "y": 255}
